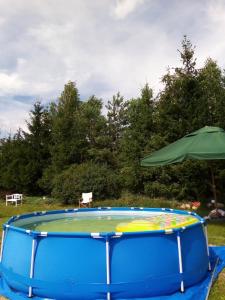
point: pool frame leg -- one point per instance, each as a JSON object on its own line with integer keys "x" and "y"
{"x": 32, "y": 262}
{"x": 2, "y": 244}
{"x": 108, "y": 279}
{"x": 4, "y": 234}
{"x": 180, "y": 260}
{"x": 207, "y": 244}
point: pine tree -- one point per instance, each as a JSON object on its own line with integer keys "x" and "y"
{"x": 68, "y": 135}
{"x": 116, "y": 119}
{"x": 178, "y": 100}
{"x": 137, "y": 135}
{"x": 95, "y": 127}
{"x": 38, "y": 141}
{"x": 14, "y": 174}
{"x": 187, "y": 58}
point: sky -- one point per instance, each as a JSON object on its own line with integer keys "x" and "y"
{"x": 105, "y": 46}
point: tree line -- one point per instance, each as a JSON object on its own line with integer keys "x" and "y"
{"x": 70, "y": 146}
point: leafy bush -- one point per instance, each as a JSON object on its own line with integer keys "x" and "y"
{"x": 46, "y": 181}
{"x": 87, "y": 177}
{"x": 156, "y": 189}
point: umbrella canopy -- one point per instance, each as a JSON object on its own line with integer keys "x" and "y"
{"x": 207, "y": 143}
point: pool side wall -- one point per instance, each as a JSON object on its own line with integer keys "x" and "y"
{"x": 74, "y": 266}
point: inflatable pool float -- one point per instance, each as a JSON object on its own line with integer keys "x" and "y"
{"x": 160, "y": 222}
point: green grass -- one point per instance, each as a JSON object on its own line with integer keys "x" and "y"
{"x": 216, "y": 232}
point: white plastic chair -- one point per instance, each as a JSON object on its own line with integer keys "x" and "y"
{"x": 86, "y": 199}
{"x": 14, "y": 198}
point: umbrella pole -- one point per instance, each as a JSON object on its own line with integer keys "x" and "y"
{"x": 213, "y": 186}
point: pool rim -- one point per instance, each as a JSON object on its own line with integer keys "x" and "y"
{"x": 8, "y": 225}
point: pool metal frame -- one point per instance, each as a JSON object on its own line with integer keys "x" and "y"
{"x": 107, "y": 236}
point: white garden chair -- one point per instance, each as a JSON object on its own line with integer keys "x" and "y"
{"x": 14, "y": 198}
{"x": 86, "y": 199}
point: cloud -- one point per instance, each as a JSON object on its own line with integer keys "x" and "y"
{"x": 213, "y": 44}
{"x": 216, "y": 11}
{"x": 10, "y": 83}
{"x": 12, "y": 116}
{"x": 105, "y": 46}
{"x": 2, "y": 20}
{"x": 125, "y": 7}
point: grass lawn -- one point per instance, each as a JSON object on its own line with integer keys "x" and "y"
{"x": 216, "y": 232}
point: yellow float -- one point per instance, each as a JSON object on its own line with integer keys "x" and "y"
{"x": 156, "y": 223}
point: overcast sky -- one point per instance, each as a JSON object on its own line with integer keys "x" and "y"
{"x": 104, "y": 46}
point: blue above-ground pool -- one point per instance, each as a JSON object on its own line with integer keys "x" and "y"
{"x": 122, "y": 264}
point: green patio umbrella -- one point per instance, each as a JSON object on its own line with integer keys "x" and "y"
{"x": 207, "y": 143}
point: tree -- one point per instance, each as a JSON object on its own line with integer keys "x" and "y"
{"x": 95, "y": 127}
{"x": 68, "y": 136}
{"x": 25, "y": 155}
{"x": 211, "y": 108}
{"x": 178, "y": 101}
{"x": 187, "y": 58}
{"x": 38, "y": 141}
{"x": 116, "y": 119}
{"x": 14, "y": 171}
{"x": 137, "y": 135}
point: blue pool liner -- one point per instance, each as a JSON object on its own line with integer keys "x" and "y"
{"x": 199, "y": 291}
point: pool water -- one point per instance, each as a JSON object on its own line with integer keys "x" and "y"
{"x": 108, "y": 222}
